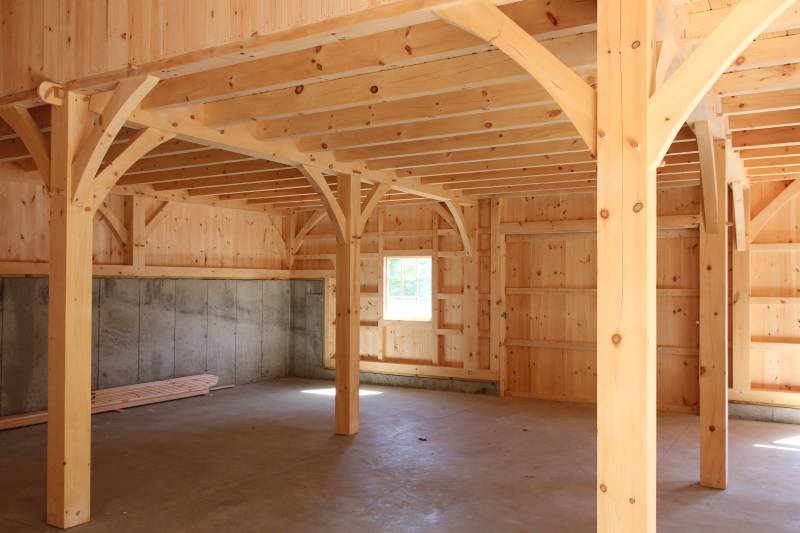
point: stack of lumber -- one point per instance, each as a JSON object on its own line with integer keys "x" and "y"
{"x": 117, "y": 398}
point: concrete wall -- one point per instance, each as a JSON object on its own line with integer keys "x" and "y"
{"x": 146, "y": 330}
{"x": 307, "y": 347}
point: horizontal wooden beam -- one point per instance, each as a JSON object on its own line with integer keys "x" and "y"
{"x": 27, "y": 269}
{"x": 667, "y": 222}
{"x": 445, "y": 127}
{"x": 553, "y": 132}
{"x": 240, "y": 139}
{"x": 455, "y": 103}
{"x": 402, "y": 46}
{"x": 486, "y": 68}
{"x": 360, "y": 22}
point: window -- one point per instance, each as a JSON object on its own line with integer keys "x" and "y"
{"x": 407, "y": 288}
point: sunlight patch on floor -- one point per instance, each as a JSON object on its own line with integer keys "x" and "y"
{"x": 332, "y": 392}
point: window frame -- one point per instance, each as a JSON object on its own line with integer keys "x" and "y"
{"x": 387, "y": 296}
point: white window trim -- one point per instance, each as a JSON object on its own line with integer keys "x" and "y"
{"x": 385, "y": 281}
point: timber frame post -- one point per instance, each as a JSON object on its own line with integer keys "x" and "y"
{"x": 713, "y": 367}
{"x": 69, "y": 326}
{"x": 78, "y": 184}
{"x": 345, "y": 212}
{"x": 630, "y": 122}
{"x": 626, "y": 272}
{"x": 348, "y": 304}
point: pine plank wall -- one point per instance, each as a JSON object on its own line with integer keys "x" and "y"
{"x": 550, "y": 285}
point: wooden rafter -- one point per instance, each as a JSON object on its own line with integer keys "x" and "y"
{"x": 672, "y": 103}
{"x": 576, "y": 97}
{"x": 428, "y": 41}
{"x": 23, "y": 124}
{"x": 122, "y": 101}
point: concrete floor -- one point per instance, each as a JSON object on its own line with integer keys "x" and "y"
{"x": 262, "y": 457}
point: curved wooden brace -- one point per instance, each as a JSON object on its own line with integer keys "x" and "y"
{"x": 32, "y": 137}
{"x": 674, "y": 101}
{"x": 128, "y": 94}
{"x": 310, "y": 224}
{"x": 458, "y": 217}
{"x": 334, "y": 210}
{"x": 378, "y": 191}
{"x": 144, "y": 141}
{"x": 116, "y": 225}
{"x": 760, "y": 221}
{"x": 445, "y": 215}
{"x": 576, "y": 97}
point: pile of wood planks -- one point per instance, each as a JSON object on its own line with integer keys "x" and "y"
{"x": 117, "y": 398}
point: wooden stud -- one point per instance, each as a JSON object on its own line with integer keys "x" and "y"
{"x": 435, "y": 303}
{"x": 348, "y": 306}
{"x": 497, "y": 319}
{"x": 470, "y": 289}
{"x": 626, "y": 273}
{"x": 290, "y": 231}
{"x": 740, "y": 221}
{"x": 137, "y": 230}
{"x": 69, "y": 326}
{"x": 714, "y": 341}
{"x": 740, "y": 323}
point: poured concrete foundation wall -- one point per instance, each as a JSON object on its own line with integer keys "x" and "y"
{"x": 308, "y": 345}
{"x": 145, "y": 330}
